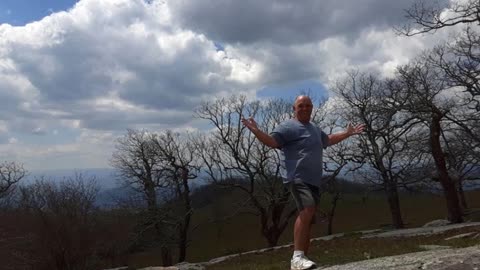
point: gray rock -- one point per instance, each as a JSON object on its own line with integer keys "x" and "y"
{"x": 190, "y": 266}
{"x": 371, "y": 231}
{"x": 329, "y": 237}
{"x": 421, "y": 230}
{"x": 433, "y": 247}
{"x": 180, "y": 266}
{"x": 437, "y": 223}
{"x": 463, "y": 235}
{"x": 159, "y": 268}
{"x": 447, "y": 259}
{"x": 221, "y": 259}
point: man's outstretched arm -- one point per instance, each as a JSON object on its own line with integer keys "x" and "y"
{"x": 261, "y": 136}
{"x": 340, "y": 136}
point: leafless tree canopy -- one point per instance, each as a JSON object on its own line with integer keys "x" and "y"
{"x": 64, "y": 224}
{"x": 10, "y": 174}
{"x": 385, "y": 147}
{"x": 427, "y": 15}
{"x": 459, "y": 60}
{"x": 232, "y": 152}
{"x": 434, "y": 105}
{"x": 160, "y": 167}
{"x": 138, "y": 161}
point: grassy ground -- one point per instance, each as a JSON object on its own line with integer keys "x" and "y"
{"x": 347, "y": 249}
{"x": 242, "y": 233}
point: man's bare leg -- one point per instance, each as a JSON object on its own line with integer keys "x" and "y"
{"x": 301, "y": 230}
{"x": 307, "y": 239}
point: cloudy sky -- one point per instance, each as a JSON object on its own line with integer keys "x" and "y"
{"x": 74, "y": 75}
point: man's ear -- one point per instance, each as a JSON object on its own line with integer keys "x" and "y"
{"x": 293, "y": 107}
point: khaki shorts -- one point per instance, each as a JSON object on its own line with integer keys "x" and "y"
{"x": 304, "y": 194}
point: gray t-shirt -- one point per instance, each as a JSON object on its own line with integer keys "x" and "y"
{"x": 301, "y": 151}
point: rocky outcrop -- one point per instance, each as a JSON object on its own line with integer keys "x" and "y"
{"x": 421, "y": 231}
{"x": 437, "y": 257}
{"x": 182, "y": 266}
{"x": 445, "y": 259}
{"x": 437, "y": 223}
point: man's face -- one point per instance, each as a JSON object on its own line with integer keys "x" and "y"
{"x": 303, "y": 109}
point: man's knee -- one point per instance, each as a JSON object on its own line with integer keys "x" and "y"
{"x": 307, "y": 213}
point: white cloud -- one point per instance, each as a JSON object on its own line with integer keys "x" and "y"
{"x": 70, "y": 61}
{"x": 325, "y": 60}
{"x": 284, "y": 21}
{"x": 3, "y": 126}
{"x": 92, "y": 149}
{"x": 104, "y": 66}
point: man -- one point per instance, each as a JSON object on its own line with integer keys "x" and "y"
{"x": 302, "y": 145}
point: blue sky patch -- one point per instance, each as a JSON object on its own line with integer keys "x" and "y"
{"x": 21, "y": 12}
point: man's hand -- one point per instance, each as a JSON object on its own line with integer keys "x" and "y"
{"x": 250, "y": 123}
{"x": 261, "y": 136}
{"x": 349, "y": 131}
{"x": 353, "y": 130}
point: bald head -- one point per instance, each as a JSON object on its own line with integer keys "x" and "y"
{"x": 303, "y": 97}
{"x": 303, "y": 108}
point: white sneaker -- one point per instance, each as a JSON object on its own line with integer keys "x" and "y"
{"x": 301, "y": 263}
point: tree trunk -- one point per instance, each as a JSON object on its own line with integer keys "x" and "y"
{"x": 449, "y": 189}
{"x": 331, "y": 213}
{"x": 182, "y": 244}
{"x": 151, "y": 196}
{"x": 390, "y": 188}
{"x": 166, "y": 254}
{"x": 185, "y": 226}
{"x": 461, "y": 194}
{"x": 279, "y": 218}
{"x": 272, "y": 234}
{"x": 394, "y": 204}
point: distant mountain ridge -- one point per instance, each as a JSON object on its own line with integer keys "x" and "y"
{"x": 111, "y": 189}
{"x": 105, "y": 177}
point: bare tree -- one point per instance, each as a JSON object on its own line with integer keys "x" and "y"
{"x": 140, "y": 166}
{"x": 459, "y": 59}
{"x": 159, "y": 166}
{"x": 337, "y": 157}
{"x": 428, "y": 16}
{"x": 178, "y": 154}
{"x": 231, "y": 152}
{"x": 462, "y": 158}
{"x": 388, "y": 133}
{"x": 10, "y": 174}
{"x": 336, "y": 160}
{"x": 64, "y": 224}
{"x": 425, "y": 86}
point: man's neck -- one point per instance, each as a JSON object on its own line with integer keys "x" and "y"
{"x": 303, "y": 122}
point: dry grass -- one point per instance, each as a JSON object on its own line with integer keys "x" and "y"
{"x": 348, "y": 249}
{"x": 242, "y": 233}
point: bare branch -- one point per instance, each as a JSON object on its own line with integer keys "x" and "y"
{"x": 10, "y": 174}
{"x": 432, "y": 17}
